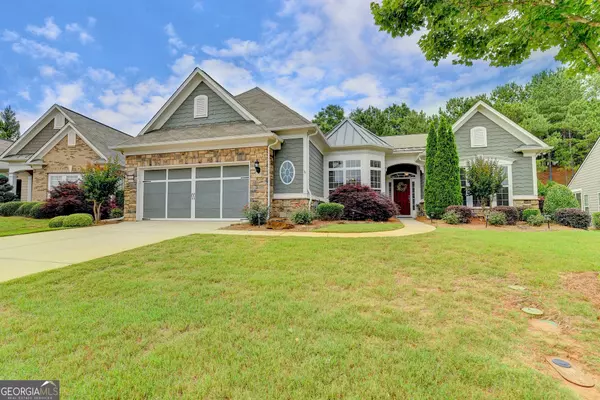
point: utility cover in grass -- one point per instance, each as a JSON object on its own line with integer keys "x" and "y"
{"x": 572, "y": 373}
{"x": 532, "y": 311}
{"x": 561, "y": 363}
{"x": 517, "y": 287}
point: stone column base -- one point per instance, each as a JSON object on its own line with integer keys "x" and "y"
{"x": 283, "y": 208}
{"x": 533, "y": 203}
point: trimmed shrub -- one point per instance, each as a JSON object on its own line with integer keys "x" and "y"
{"x": 463, "y": 213}
{"x": 9, "y": 209}
{"x": 6, "y": 188}
{"x": 116, "y": 213}
{"x": 25, "y": 208}
{"x": 78, "y": 220}
{"x": 37, "y": 211}
{"x": 363, "y": 203}
{"x": 559, "y": 196}
{"x": 451, "y": 217}
{"x": 536, "y": 219}
{"x": 497, "y": 218}
{"x": 330, "y": 211}
{"x": 521, "y": 210}
{"x": 57, "y": 222}
{"x": 573, "y": 217}
{"x": 120, "y": 198}
{"x": 65, "y": 199}
{"x": 511, "y": 213}
{"x": 302, "y": 216}
{"x": 256, "y": 213}
{"x": 596, "y": 220}
{"x": 530, "y": 212}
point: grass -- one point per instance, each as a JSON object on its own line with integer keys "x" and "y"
{"x": 249, "y": 317}
{"x": 361, "y": 228}
{"x": 10, "y": 226}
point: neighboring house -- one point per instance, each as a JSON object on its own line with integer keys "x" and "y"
{"x": 206, "y": 154}
{"x": 55, "y": 149}
{"x": 586, "y": 181}
{"x": 4, "y": 144}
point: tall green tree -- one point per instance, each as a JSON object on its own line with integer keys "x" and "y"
{"x": 100, "y": 182}
{"x": 329, "y": 117}
{"x": 456, "y": 107}
{"x": 10, "y": 129}
{"x": 485, "y": 178}
{"x": 430, "y": 177}
{"x": 446, "y": 170}
{"x": 501, "y": 32}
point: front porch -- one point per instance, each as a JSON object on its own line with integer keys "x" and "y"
{"x": 404, "y": 185}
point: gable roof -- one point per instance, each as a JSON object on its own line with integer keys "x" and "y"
{"x": 4, "y": 144}
{"x": 270, "y": 111}
{"x": 97, "y": 135}
{"x": 596, "y": 147}
{"x": 503, "y": 121}
{"x": 350, "y": 134}
{"x": 184, "y": 90}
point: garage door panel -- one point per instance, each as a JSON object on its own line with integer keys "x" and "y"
{"x": 180, "y": 200}
{"x": 154, "y": 199}
{"x": 235, "y": 171}
{"x": 185, "y": 173}
{"x": 155, "y": 175}
{"x": 208, "y": 172}
{"x": 235, "y": 197}
{"x": 208, "y": 199}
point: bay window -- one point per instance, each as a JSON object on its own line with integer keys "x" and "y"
{"x": 343, "y": 172}
{"x": 375, "y": 174}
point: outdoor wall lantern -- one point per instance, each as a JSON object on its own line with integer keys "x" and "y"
{"x": 257, "y": 166}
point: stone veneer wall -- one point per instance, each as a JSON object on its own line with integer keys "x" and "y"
{"x": 284, "y": 208}
{"x": 62, "y": 158}
{"x": 527, "y": 203}
{"x": 258, "y": 182}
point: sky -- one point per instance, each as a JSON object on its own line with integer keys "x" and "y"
{"x": 119, "y": 61}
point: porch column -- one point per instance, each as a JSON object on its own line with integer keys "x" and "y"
{"x": 12, "y": 180}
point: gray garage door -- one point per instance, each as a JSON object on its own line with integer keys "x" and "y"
{"x": 196, "y": 193}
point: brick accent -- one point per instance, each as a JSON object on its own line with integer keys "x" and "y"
{"x": 284, "y": 208}
{"x": 258, "y": 182}
{"x": 62, "y": 158}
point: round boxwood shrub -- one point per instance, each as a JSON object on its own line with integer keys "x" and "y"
{"x": 463, "y": 213}
{"x": 511, "y": 214}
{"x": 116, "y": 213}
{"x": 256, "y": 213}
{"x": 37, "y": 211}
{"x": 78, "y": 220}
{"x": 302, "y": 216}
{"x": 9, "y": 209}
{"x": 573, "y": 217}
{"x": 57, "y": 222}
{"x": 596, "y": 220}
{"x": 559, "y": 196}
{"x": 497, "y": 218}
{"x": 363, "y": 203}
{"x": 530, "y": 212}
{"x": 25, "y": 209}
{"x": 330, "y": 211}
{"x": 536, "y": 219}
{"x": 451, "y": 217}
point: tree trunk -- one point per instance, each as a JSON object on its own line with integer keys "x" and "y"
{"x": 593, "y": 58}
{"x": 96, "y": 210}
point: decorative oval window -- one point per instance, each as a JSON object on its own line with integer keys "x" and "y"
{"x": 287, "y": 172}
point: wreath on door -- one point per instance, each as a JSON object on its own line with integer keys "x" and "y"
{"x": 401, "y": 187}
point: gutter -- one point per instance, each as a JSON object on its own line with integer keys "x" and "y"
{"x": 308, "y": 173}
{"x": 269, "y": 150}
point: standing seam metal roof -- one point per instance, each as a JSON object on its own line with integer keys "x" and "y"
{"x": 348, "y": 133}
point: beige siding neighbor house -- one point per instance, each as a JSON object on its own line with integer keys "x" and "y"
{"x": 586, "y": 182}
{"x": 55, "y": 149}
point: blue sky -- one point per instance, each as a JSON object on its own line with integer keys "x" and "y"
{"x": 119, "y": 61}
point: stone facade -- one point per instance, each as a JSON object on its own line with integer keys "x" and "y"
{"x": 258, "y": 182}
{"x": 62, "y": 158}
{"x": 283, "y": 208}
{"x": 533, "y": 203}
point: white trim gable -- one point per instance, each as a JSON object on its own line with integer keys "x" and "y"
{"x": 66, "y": 130}
{"x": 596, "y": 147}
{"x": 187, "y": 87}
{"x": 501, "y": 120}
{"x": 35, "y": 129}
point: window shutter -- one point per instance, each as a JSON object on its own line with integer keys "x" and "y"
{"x": 71, "y": 138}
{"x": 479, "y": 137}
{"x": 201, "y": 106}
{"x": 59, "y": 121}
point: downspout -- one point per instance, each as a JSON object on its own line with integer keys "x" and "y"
{"x": 308, "y": 163}
{"x": 269, "y": 149}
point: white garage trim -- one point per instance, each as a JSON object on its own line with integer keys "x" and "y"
{"x": 193, "y": 179}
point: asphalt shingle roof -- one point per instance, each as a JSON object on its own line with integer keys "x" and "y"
{"x": 270, "y": 111}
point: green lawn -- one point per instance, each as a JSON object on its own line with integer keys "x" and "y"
{"x": 248, "y": 317}
{"x": 10, "y": 226}
{"x": 361, "y": 228}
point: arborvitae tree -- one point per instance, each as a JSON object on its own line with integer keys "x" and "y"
{"x": 430, "y": 181}
{"x": 10, "y": 128}
{"x": 6, "y": 188}
{"x": 446, "y": 170}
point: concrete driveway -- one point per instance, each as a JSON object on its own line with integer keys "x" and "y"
{"x": 27, "y": 254}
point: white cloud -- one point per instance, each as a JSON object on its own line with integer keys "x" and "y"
{"x": 175, "y": 43}
{"x": 183, "y": 65}
{"x": 91, "y": 22}
{"x": 198, "y": 5}
{"x": 63, "y": 94}
{"x": 49, "y": 30}
{"x": 84, "y": 36}
{"x": 100, "y": 75}
{"x": 331, "y": 92}
{"x": 10, "y": 36}
{"x": 235, "y": 48}
{"x": 235, "y": 79}
{"x": 47, "y": 71}
{"x": 24, "y": 94}
{"x": 38, "y": 50}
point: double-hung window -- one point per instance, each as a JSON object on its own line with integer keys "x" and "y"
{"x": 375, "y": 173}
{"x": 343, "y": 172}
{"x": 56, "y": 179}
{"x": 502, "y": 197}
{"x": 586, "y": 203}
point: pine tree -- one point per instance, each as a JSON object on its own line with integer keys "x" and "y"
{"x": 10, "y": 128}
{"x": 446, "y": 170}
{"x": 6, "y": 188}
{"x": 430, "y": 179}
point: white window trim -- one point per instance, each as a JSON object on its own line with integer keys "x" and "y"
{"x": 65, "y": 174}
{"x": 72, "y": 138}
{"x": 198, "y": 99}
{"x": 293, "y": 172}
{"x": 474, "y": 131}
{"x": 586, "y": 199}
{"x": 598, "y": 201}
{"x": 580, "y": 192}
{"x": 494, "y": 198}
{"x": 365, "y": 157}
{"x": 59, "y": 121}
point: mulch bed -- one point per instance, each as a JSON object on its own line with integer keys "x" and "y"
{"x": 479, "y": 223}
{"x": 298, "y": 228}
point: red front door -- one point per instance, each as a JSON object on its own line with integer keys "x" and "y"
{"x": 402, "y": 195}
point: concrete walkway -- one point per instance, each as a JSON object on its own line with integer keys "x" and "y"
{"x": 23, "y": 255}
{"x": 411, "y": 227}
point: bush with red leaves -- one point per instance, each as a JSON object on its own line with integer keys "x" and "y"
{"x": 363, "y": 203}
{"x": 65, "y": 199}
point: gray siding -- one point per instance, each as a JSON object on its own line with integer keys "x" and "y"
{"x": 315, "y": 173}
{"x": 218, "y": 110}
{"x": 500, "y": 143}
{"x": 40, "y": 139}
{"x": 293, "y": 150}
{"x": 588, "y": 179}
